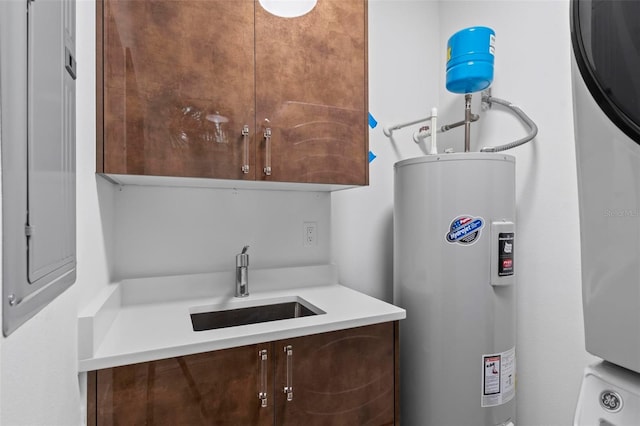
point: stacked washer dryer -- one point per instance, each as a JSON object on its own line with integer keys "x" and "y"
{"x": 606, "y": 88}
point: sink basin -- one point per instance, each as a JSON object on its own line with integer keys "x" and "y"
{"x": 251, "y": 315}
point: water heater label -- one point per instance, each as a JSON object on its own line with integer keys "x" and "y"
{"x": 505, "y": 253}
{"x": 465, "y": 230}
{"x": 498, "y": 378}
{"x": 502, "y": 253}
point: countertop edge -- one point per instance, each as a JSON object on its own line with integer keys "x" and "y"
{"x": 99, "y": 363}
{"x": 124, "y": 327}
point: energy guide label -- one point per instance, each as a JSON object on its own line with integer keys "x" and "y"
{"x": 498, "y": 378}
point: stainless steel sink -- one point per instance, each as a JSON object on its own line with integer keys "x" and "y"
{"x": 250, "y": 315}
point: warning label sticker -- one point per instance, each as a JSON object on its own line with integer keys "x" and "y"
{"x": 498, "y": 378}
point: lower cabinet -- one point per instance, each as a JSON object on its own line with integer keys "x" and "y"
{"x": 345, "y": 377}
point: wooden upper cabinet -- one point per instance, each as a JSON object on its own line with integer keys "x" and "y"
{"x": 178, "y": 80}
{"x": 178, "y": 87}
{"x": 311, "y": 90}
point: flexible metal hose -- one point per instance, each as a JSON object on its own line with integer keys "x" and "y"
{"x": 533, "y": 129}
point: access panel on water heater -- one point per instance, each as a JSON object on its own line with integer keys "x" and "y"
{"x": 502, "y": 253}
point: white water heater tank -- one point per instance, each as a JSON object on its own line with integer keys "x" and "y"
{"x": 454, "y": 273}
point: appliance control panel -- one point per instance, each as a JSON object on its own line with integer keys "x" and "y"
{"x": 502, "y": 253}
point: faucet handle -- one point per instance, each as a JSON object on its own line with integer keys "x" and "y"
{"x": 242, "y": 259}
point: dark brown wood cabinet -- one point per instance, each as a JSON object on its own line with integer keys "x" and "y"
{"x": 311, "y": 86}
{"x": 175, "y": 87}
{"x": 346, "y": 377}
{"x": 213, "y": 388}
{"x": 224, "y": 89}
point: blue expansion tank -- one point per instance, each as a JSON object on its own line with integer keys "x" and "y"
{"x": 470, "y": 55}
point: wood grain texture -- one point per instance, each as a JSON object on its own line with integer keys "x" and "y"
{"x": 345, "y": 378}
{"x": 92, "y": 382}
{"x": 214, "y": 388}
{"x": 166, "y": 65}
{"x": 99, "y": 87}
{"x": 169, "y": 67}
{"x": 396, "y": 383}
{"x": 311, "y": 86}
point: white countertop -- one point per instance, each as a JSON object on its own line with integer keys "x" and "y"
{"x": 149, "y": 318}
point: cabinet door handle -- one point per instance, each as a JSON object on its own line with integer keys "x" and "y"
{"x": 288, "y": 389}
{"x": 262, "y": 392}
{"x": 267, "y": 147}
{"x": 245, "y": 141}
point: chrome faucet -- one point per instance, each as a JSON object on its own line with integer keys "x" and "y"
{"x": 242, "y": 273}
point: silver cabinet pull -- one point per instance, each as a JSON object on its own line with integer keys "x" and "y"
{"x": 267, "y": 147}
{"x": 245, "y": 141}
{"x": 288, "y": 389}
{"x": 262, "y": 393}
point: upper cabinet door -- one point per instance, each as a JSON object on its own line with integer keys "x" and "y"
{"x": 311, "y": 92}
{"x": 178, "y": 88}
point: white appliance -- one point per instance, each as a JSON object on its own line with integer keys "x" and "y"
{"x": 606, "y": 92}
{"x": 454, "y": 244}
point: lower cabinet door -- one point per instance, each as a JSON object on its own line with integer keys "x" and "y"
{"x": 215, "y": 388}
{"x": 345, "y": 377}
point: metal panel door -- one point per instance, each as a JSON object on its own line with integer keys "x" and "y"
{"x": 51, "y": 137}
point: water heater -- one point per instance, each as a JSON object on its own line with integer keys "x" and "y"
{"x": 454, "y": 273}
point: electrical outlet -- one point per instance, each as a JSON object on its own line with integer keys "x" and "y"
{"x": 310, "y": 234}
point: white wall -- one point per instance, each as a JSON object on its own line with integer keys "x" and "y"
{"x": 407, "y": 53}
{"x": 168, "y": 231}
{"x": 404, "y": 60}
{"x": 38, "y": 374}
